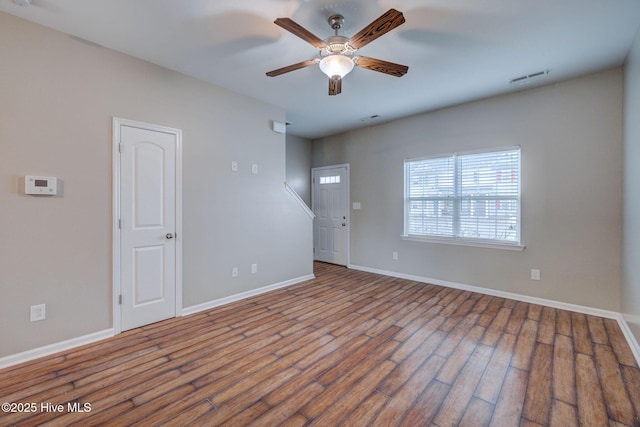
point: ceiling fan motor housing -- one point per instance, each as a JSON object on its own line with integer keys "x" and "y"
{"x": 337, "y": 45}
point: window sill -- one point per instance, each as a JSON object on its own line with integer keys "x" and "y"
{"x": 465, "y": 242}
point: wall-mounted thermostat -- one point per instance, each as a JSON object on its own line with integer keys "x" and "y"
{"x": 42, "y": 185}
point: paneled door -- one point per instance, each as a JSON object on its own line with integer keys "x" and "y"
{"x": 330, "y": 200}
{"x": 148, "y": 223}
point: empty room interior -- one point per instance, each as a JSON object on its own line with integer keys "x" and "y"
{"x": 309, "y": 212}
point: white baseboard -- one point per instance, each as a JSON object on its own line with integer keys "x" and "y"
{"x": 502, "y": 294}
{"x": 35, "y": 353}
{"x": 237, "y": 297}
{"x": 631, "y": 339}
{"x": 46, "y": 350}
{"x": 633, "y": 343}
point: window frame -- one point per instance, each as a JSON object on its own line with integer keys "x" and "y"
{"x": 456, "y": 199}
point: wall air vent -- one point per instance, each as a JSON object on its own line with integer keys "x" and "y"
{"x": 529, "y": 78}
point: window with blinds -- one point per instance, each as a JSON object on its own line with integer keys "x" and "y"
{"x": 472, "y": 196}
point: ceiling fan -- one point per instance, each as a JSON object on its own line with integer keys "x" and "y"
{"x": 337, "y": 57}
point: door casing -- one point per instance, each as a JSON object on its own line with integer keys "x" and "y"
{"x": 348, "y": 205}
{"x": 116, "y": 169}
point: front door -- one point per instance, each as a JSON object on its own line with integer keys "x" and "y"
{"x": 330, "y": 227}
{"x": 147, "y": 223}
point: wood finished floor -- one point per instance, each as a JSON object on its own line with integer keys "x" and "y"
{"x": 351, "y": 349}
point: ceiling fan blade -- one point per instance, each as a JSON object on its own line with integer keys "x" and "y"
{"x": 298, "y": 30}
{"x": 385, "y": 23}
{"x": 292, "y": 67}
{"x": 335, "y": 86}
{"x": 381, "y": 66}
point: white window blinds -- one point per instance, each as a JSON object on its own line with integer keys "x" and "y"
{"x": 464, "y": 196}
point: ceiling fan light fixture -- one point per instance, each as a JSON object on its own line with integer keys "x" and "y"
{"x": 336, "y": 65}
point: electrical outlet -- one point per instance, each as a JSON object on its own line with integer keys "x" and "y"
{"x": 254, "y": 168}
{"x": 234, "y": 272}
{"x": 38, "y": 312}
{"x": 535, "y": 274}
{"x": 394, "y": 255}
{"x": 254, "y": 268}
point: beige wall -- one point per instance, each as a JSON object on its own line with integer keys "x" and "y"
{"x": 571, "y": 139}
{"x": 57, "y": 99}
{"x": 631, "y": 225}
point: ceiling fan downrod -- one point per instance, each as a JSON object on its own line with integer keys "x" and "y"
{"x": 336, "y": 22}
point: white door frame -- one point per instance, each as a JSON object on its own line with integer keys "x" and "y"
{"x": 117, "y": 285}
{"x": 313, "y": 205}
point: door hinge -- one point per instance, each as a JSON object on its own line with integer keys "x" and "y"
{"x": 120, "y": 224}
{"x": 120, "y": 147}
{"x": 120, "y": 299}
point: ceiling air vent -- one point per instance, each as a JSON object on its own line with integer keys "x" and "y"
{"x": 529, "y": 78}
{"x": 370, "y": 118}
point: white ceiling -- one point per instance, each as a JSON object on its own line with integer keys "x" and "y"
{"x": 456, "y": 50}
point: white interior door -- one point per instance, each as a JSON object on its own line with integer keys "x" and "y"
{"x": 148, "y": 224}
{"x": 330, "y": 204}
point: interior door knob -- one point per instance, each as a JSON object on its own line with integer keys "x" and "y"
{"x": 169, "y": 236}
